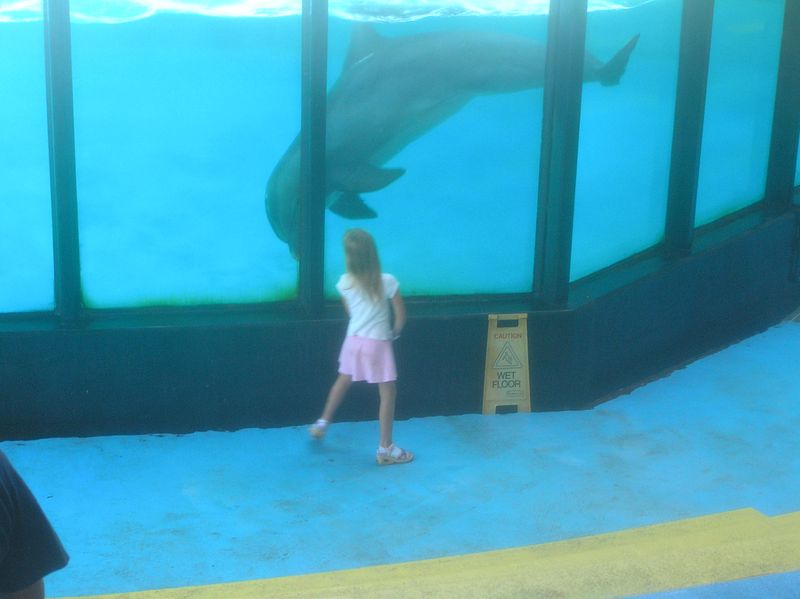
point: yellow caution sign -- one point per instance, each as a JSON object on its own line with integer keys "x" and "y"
{"x": 506, "y": 382}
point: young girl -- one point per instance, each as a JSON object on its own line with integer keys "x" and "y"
{"x": 367, "y": 353}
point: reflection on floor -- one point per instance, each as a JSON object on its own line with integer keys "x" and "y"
{"x": 691, "y": 480}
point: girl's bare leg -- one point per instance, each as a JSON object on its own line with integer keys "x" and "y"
{"x": 388, "y": 393}
{"x": 336, "y": 395}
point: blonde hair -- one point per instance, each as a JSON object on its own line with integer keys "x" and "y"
{"x": 363, "y": 264}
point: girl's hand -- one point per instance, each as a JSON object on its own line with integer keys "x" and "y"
{"x": 399, "y": 309}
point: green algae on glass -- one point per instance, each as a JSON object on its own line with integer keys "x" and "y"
{"x": 273, "y": 295}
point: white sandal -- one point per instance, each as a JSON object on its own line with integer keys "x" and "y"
{"x": 317, "y": 430}
{"x": 393, "y": 455}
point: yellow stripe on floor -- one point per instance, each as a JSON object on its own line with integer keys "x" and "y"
{"x": 686, "y": 553}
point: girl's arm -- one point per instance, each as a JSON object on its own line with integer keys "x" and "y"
{"x": 399, "y": 309}
{"x": 346, "y": 308}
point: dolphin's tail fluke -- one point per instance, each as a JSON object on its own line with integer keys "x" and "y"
{"x": 611, "y": 72}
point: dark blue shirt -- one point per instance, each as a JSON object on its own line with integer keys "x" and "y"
{"x": 29, "y": 548}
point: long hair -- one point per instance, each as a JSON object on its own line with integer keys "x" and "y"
{"x": 363, "y": 264}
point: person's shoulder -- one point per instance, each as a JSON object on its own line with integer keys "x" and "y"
{"x": 344, "y": 282}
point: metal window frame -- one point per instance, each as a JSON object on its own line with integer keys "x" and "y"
{"x": 312, "y": 156}
{"x": 558, "y": 163}
{"x": 782, "y": 163}
{"x": 557, "y": 167}
{"x": 61, "y": 142}
{"x": 687, "y": 139}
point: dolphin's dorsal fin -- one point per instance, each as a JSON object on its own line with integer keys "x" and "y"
{"x": 350, "y": 205}
{"x": 364, "y": 178}
{"x": 364, "y": 40}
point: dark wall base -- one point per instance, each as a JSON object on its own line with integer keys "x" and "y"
{"x": 145, "y": 379}
{"x": 700, "y": 304}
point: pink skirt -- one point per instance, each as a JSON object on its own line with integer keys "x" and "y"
{"x": 370, "y": 360}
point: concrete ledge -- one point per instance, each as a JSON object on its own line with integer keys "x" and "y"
{"x": 710, "y": 549}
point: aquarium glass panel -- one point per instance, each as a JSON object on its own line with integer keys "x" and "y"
{"x": 625, "y": 135}
{"x": 797, "y": 171}
{"x": 432, "y": 125}
{"x": 26, "y": 238}
{"x": 739, "y": 105}
{"x": 178, "y": 119}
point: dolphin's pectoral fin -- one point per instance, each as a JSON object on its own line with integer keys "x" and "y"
{"x": 610, "y": 73}
{"x": 352, "y": 180}
{"x": 365, "y": 178}
{"x": 350, "y": 205}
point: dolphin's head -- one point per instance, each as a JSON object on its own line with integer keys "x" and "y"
{"x": 283, "y": 198}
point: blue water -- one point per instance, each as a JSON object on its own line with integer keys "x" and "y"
{"x": 180, "y": 119}
{"x": 26, "y": 242}
{"x": 625, "y": 139}
{"x": 122, "y": 11}
{"x": 745, "y": 48}
{"x": 462, "y": 219}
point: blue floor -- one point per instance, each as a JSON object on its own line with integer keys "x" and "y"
{"x": 776, "y": 586}
{"x": 158, "y": 511}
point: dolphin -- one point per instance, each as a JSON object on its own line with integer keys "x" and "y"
{"x": 392, "y": 90}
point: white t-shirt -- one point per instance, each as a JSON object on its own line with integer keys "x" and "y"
{"x": 367, "y": 317}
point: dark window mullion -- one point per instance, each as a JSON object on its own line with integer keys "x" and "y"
{"x": 566, "y": 42}
{"x": 61, "y": 136}
{"x": 786, "y": 119}
{"x": 690, "y": 105}
{"x": 312, "y": 155}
